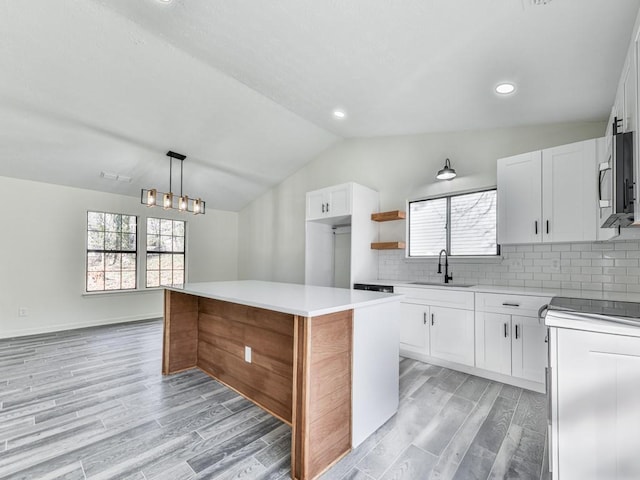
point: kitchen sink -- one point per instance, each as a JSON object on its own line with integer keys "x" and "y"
{"x": 441, "y": 284}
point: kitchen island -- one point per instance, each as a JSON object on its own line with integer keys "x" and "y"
{"x": 323, "y": 360}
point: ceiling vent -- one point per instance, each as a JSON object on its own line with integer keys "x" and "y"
{"x": 540, "y": 2}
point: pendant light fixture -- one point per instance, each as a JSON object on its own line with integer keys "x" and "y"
{"x": 149, "y": 197}
{"x": 447, "y": 173}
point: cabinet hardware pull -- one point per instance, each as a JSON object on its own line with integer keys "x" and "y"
{"x": 328, "y": 208}
{"x": 536, "y": 226}
{"x": 517, "y": 330}
{"x": 547, "y": 227}
{"x": 507, "y": 304}
{"x": 506, "y": 334}
{"x": 425, "y": 317}
{"x": 323, "y": 208}
{"x": 432, "y": 321}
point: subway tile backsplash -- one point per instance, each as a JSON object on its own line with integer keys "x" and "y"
{"x": 602, "y": 266}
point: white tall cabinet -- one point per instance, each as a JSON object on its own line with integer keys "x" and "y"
{"x": 549, "y": 195}
{"x": 595, "y": 393}
{"x": 338, "y": 235}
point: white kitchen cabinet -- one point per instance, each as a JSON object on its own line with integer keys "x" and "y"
{"x": 595, "y": 419}
{"x": 338, "y": 236}
{"x": 329, "y": 202}
{"x": 548, "y": 195}
{"x": 520, "y": 198}
{"x": 528, "y": 348}
{"x": 451, "y": 335}
{"x": 414, "y": 328}
{"x": 510, "y": 338}
{"x": 437, "y": 324}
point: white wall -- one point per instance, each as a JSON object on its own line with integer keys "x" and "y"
{"x": 42, "y": 257}
{"x": 271, "y": 228}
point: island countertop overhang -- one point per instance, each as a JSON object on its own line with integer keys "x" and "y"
{"x": 294, "y": 299}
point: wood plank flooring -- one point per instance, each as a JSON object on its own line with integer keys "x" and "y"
{"x": 92, "y": 404}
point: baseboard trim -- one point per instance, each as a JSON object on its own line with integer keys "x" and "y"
{"x": 479, "y": 372}
{"x": 23, "y": 332}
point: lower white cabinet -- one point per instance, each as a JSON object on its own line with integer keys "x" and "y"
{"x": 511, "y": 344}
{"x": 432, "y": 329}
{"x": 414, "y": 331}
{"x": 595, "y": 392}
{"x": 510, "y": 338}
{"x": 451, "y": 335}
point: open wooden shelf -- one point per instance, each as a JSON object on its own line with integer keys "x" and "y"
{"x": 388, "y": 216}
{"x": 387, "y": 245}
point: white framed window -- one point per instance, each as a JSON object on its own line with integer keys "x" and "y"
{"x": 165, "y": 264}
{"x": 112, "y": 248}
{"x": 463, "y": 224}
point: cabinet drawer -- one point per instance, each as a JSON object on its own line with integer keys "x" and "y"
{"x": 510, "y": 304}
{"x": 441, "y": 297}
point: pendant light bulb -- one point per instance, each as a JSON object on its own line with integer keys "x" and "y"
{"x": 197, "y": 206}
{"x": 447, "y": 173}
{"x": 152, "y": 195}
{"x": 167, "y": 200}
{"x": 183, "y": 203}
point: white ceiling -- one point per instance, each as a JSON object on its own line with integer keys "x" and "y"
{"x": 245, "y": 89}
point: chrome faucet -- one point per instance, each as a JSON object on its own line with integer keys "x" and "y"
{"x": 447, "y": 277}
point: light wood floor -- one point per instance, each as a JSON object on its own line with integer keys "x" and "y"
{"x": 92, "y": 404}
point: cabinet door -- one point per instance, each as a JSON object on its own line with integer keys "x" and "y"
{"x": 452, "y": 335}
{"x": 316, "y": 202}
{"x": 519, "y": 199}
{"x": 339, "y": 201}
{"x": 569, "y": 187}
{"x": 493, "y": 342}
{"x": 529, "y": 350}
{"x": 414, "y": 328}
{"x": 597, "y": 390}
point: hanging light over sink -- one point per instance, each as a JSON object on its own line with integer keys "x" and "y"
{"x": 446, "y": 173}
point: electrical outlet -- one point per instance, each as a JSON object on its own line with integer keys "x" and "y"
{"x": 555, "y": 264}
{"x": 247, "y": 354}
{"x": 23, "y": 312}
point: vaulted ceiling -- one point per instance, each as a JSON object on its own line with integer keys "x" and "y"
{"x": 246, "y": 89}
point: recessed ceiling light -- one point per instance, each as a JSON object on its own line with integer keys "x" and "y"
{"x": 505, "y": 88}
{"x": 339, "y": 114}
{"x": 164, "y": 1}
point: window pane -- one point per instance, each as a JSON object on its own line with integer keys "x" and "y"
{"x": 178, "y": 277}
{"x": 153, "y": 279}
{"x": 128, "y": 242}
{"x": 128, "y": 261}
{"x": 128, "y": 279}
{"x": 153, "y": 261}
{"x": 178, "y": 262}
{"x": 427, "y": 227}
{"x": 129, "y": 223}
{"x": 112, "y": 241}
{"x": 95, "y": 221}
{"x": 166, "y": 277}
{"x": 153, "y": 243}
{"x": 165, "y": 261}
{"x": 473, "y": 224}
{"x": 95, "y": 262}
{"x": 112, "y": 222}
{"x": 178, "y": 228}
{"x": 153, "y": 226}
{"x": 95, "y": 281}
{"x": 166, "y": 243}
{"x": 166, "y": 227}
{"x": 112, "y": 281}
{"x": 112, "y": 262}
{"x": 95, "y": 240}
{"x": 178, "y": 244}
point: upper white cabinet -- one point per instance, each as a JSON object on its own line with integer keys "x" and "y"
{"x": 520, "y": 198}
{"x": 338, "y": 236}
{"x": 548, "y": 195}
{"x": 329, "y": 202}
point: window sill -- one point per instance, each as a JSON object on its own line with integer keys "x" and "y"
{"x": 121, "y": 292}
{"x": 460, "y": 259}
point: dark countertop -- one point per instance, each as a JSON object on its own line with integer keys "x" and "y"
{"x": 598, "y": 307}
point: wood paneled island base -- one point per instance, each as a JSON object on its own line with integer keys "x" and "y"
{"x": 300, "y": 369}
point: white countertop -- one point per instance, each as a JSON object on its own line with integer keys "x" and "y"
{"x": 593, "y": 323}
{"x": 303, "y": 300}
{"x": 542, "y": 292}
